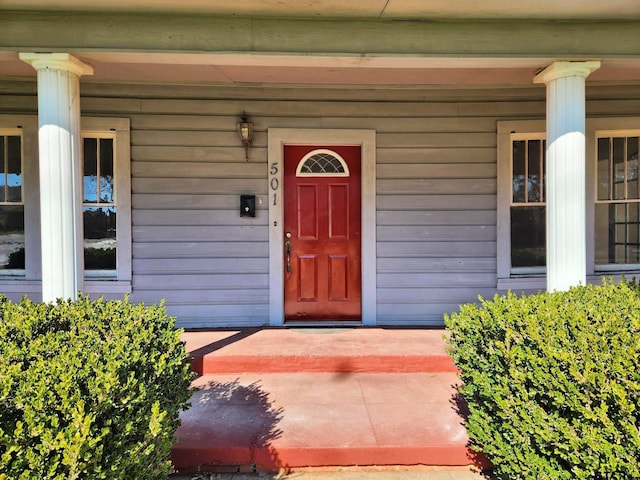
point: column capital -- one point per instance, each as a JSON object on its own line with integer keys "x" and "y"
{"x": 57, "y": 61}
{"x": 566, "y": 69}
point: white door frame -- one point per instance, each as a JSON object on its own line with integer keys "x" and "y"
{"x": 278, "y": 138}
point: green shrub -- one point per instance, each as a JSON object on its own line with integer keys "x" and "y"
{"x": 553, "y": 382}
{"x": 89, "y": 390}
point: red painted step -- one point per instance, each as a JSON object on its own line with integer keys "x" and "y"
{"x": 319, "y": 350}
{"x": 345, "y": 398}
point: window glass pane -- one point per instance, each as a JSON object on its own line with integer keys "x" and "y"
{"x": 91, "y": 170}
{"x": 99, "y": 238}
{"x": 618, "y": 168}
{"x": 604, "y": 167}
{"x": 106, "y": 170}
{"x": 534, "y": 183}
{"x": 322, "y": 163}
{"x": 617, "y": 237}
{"x": 12, "y": 237}
{"x": 519, "y": 158}
{"x": 14, "y": 169}
{"x": 528, "y": 236}
{"x": 632, "y": 167}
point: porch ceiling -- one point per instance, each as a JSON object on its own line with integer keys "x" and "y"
{"x": 374, "y": 9}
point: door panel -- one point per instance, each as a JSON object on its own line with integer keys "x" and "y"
{"x": 307, "y": 213}
{"x": 322, "y": 214}
{"x": 307, "y": 279}
{"x": 338, "y": 270}
{"x": 339, "y": 212}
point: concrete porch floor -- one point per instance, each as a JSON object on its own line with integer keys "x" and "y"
{"x": 291, "y": 400}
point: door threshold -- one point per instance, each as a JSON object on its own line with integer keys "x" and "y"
{"x": 323, "y": 323}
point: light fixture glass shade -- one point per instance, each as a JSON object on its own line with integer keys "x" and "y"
{"x": 245, "y": 131}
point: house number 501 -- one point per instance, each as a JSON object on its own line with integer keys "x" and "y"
{"x": 274, "y": 182}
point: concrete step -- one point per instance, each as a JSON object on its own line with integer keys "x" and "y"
{"x": 319, "y": 350}
{"x": 274, "y": 400}
{"x": 284, "y": 421}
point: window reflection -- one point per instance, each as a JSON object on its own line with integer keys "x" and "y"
{"x": 99, "y": 238}
{"x": 106, "y": 170}
{"x": 91, "y": 170}
{"x": 12, "y": 237}
{"x": 528, "y": 236}
{"x": 99, "y": 209}
{"x": 12, "y": 256}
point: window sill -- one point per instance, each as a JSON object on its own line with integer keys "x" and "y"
{"x": 100, "y": 275}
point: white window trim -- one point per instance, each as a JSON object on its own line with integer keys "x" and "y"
{"x": 119, "y": 129}
{"x": 535, "y": 279}
{"x": 508, "y": 278}
{"x": 523, "y": 271}
{"x": 619, "y": 126}
{"x": 18, "y": 132}
{"x": 28, "y": 126}
{"x": 30, "y": 283}
{"x": 101, "y": 135}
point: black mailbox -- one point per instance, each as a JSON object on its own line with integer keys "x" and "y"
{"x": 247, "y": 205}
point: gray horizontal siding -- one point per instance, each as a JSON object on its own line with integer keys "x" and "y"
{"x": 436, "y": 233}
{"x": 435, "y": 279}
{"x": 170, "y": 153}
{"x": 206, "y": 249}
{"x": 195, "y": 233}
{"x": 231, "y": 186}
{"x": 428, "y": 203}
{"x": 447, "y": 217}
{"x": 436, "y": 184}
{"x": 437, "y": 155}
{"x": 436, "y": 219}
{"x": 448, "y": 171}
{"x": 453, "y": 186}
{"x": 197, "y": 217}
{"x": 450, "y": 294}
{"x": 436, "y": 188}
{"x": 461, "y": 249}
{"x": 183, "y": 169}
{"x": 437, "y": 265}
{"x": 190, "y": 245}
{"x": 189, "y": 266}
{"x": 201, "y": 281}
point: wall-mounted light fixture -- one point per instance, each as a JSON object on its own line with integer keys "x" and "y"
{"x": 245, "y": 131}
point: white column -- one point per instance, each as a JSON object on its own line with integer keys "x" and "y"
{"x": 566, "y": 213}
{"x": 60, "y": 172}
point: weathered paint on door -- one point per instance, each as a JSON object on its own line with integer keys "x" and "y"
{"x": 322, "y": 224}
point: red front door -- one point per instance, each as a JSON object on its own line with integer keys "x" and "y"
{"x": 322, "y": 233}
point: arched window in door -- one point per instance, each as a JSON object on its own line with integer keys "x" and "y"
{"x": 320, "y": 163}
